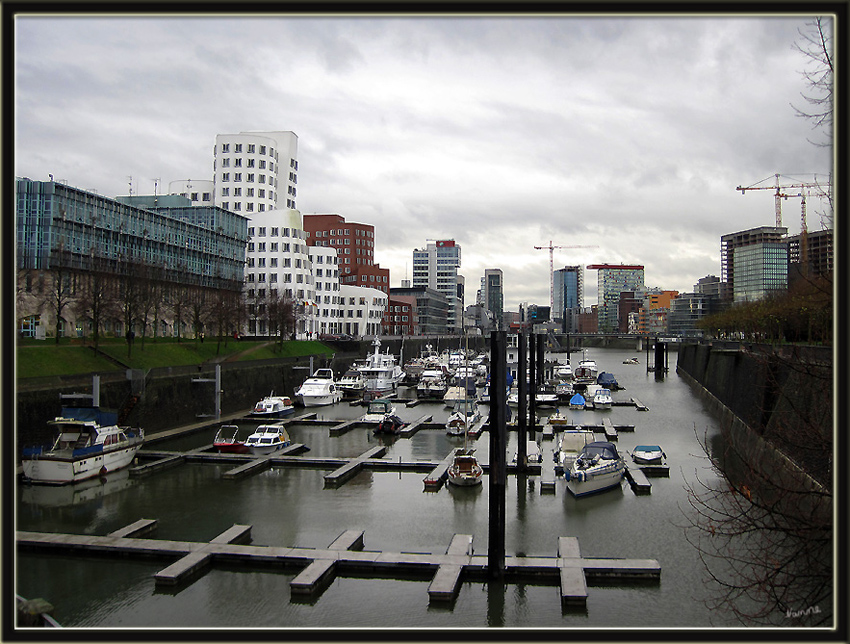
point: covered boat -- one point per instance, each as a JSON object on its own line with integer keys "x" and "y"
{"x": 607, "y": 380}
{"x": 597, "y": 468}
{"x": 87, "y": 443}
{"x": 389, "y": 424}
{"x": 577, "y": 402}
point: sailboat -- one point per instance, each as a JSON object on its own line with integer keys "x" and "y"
{"x": 465, "y": 470}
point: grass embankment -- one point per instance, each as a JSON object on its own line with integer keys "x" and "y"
{"x": 37, "y": 359}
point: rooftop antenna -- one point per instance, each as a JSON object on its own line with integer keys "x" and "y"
{"x": 130, "y": 183}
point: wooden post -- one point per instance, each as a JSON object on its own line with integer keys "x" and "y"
{"x": 522, "y": 406}
{"x": 532, "y": 388}
{"x": 498, "y": 476}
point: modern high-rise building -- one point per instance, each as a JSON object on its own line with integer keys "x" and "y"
{"x": 436, "y": 267}
{"x": 613, "y": 279}
{"x": 493, "y": 295}
{"x": 256, "y": 171}
{"x": 355, "y": 245}
{"x": 754, "y": 262}
{"x": 568, "y": 296}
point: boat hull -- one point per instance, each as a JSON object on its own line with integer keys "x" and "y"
{"x": 262, "y": 450}
{"x": 55, "y": 469}
{"x": 231, "y": 448}
{"x": 595, "y": 480}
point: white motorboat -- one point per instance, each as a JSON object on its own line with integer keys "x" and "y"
{"x": 377, "y": 409}
{"x": 87, "y": 443}
{"x": 589, "y": 393}
{"x": 648, "y": 455}
{"x": 319, "y": 389}
{"x": 602, "y": 399}
{"x": 351, "y": 383}
{"x": 381, "y": 371}
{"x": 273, "y": 407}
{"x": 597, "y": 468}
{"x": 570, "y": 446}
{"x": 432, "y": 384}
{"x": 462, "y": 418}
{"x": 587, "y": 370}
{"x": 546, "y": 396}
{"x": 631, "y": 361}
{"x": 267, "y": 439}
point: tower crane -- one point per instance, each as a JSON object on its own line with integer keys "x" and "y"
{"x": 551, "y": 249}
{"x": 804, "y": 190}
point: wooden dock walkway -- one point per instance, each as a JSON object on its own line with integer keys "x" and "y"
{"x": 409, "y": 430}
{"x": 437, "y": 477}
{"x": 353, "y": 466}
{"x": 345, "y": 555}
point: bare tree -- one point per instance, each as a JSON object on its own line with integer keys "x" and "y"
{"x": 96, "y": 296}
{"x": 762, "y": 522}
{"x": 816, "y": 45}
{"x": 281, "y": 316}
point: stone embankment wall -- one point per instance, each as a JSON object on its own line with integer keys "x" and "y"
{"x": 776, "y": 414}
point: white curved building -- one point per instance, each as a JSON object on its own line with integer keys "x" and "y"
{"x": 278, "y": 264}
{"x": 200, "y": 191}
{"x": 256, "y": 171}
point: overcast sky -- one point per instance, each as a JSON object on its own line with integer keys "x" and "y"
{"x": 629, "y": 134}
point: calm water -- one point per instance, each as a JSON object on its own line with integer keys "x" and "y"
{"x": 291, "y": 507}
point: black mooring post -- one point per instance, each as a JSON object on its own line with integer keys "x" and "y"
{"x": 659, "y": 359}
{"x": 522, "y": 402}
{"x": 541, "y": 363}
{"x": 498, "y": 477}
{"x": 532, "y": 388}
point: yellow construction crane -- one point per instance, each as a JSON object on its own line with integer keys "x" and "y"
{"x": 552, "y": 270}
{"x": 804, "y": 189}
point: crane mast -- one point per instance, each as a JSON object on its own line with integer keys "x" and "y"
{"x": 552, "y": 270}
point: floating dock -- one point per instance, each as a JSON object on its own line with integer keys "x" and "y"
{"x": 345, "y": 555}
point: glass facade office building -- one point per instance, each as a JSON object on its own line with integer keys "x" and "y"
{"x": 59, "y": 226}
{"x": 760, "y": 269}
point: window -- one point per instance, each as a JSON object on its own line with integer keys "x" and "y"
{"x": 252, "y": 148}
{"x": 237, "y": 162}
{"x": 262, "y": 165}
{"x": 250, "y": 163}
{"x": 250, "y": 206}
{"x": 262, "y": 207}
{"x": 275, "y": 230}
{"x": 225, "y": 162}
{"x": 238, "y": 147}
{"x": 225, "y": 147}
{"x": 249, "y": 192}
{"x": 273, "y": 260}
{"x": 273, "y": 247}
{"x": 261, "y": 231}
{"x": 237, "y": 206}
{"x": 225, "y": 176}
{"x": 262, "y": 178}
{"x": 251, "y": 177}
{"x": 261, "y": 262}
{"x": 225, "y": 192}
{"x": 237, "y": 176}
{"x": 237, "y": 192}
{"x": 261, "y": 193}
{"x": 206, "y": 196}
{"x": 273, "y": 277}
{"x": 261, "y": 247}
{"x": 225, "y": 205}
{"x": 250, "y": 231}
{"x": 262, "y": 149}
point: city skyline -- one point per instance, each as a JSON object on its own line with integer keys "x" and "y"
{"x": 435, "y": 129}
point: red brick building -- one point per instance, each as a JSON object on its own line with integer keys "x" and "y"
{"x": 401, "y": 317}
{"x": 355, "y": 245}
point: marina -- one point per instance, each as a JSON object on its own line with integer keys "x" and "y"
{"x": 336, "y": 479}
